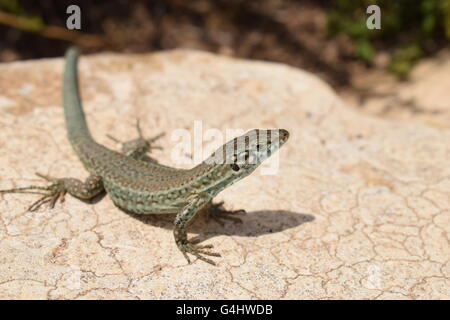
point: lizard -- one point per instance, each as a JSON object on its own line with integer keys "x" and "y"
{"x": 143, "y": 187}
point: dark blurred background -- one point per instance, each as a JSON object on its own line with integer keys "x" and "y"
{"x": 328, "y": 38}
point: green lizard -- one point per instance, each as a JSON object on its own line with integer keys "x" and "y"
{"x": 149, "y": 188}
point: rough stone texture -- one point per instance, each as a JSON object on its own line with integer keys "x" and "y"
{"x": 360, "y": 207}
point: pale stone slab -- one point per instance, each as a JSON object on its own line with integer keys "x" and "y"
{"x": 358, "y": 209}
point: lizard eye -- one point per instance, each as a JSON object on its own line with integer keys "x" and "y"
{"x": 235, "y": 167}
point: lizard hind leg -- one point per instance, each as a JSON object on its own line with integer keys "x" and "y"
{"x": 58, "y": 189}
{"x": 50, "y": 194}
{"x": 138, "y": 147}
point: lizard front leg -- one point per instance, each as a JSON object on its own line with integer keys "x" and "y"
{"x": 196, "y": 203}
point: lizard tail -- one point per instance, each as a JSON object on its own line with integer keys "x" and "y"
{"x": 77, "y": 129}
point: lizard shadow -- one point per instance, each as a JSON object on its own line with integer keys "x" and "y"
{"x": 94, "y": 199}
{"x": 254, "y": 223}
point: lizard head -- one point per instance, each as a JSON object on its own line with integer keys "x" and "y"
{"x": 242, "y": 155}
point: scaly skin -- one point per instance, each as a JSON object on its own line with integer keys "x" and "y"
{"x": 146, "y": 187}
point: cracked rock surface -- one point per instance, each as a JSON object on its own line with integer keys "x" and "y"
{"x": 359, "y": 207}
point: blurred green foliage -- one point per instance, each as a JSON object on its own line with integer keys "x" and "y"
{"x": 30, "y": 23}
{"x": 409, "y": 29}
{"x": 12, "y": 6}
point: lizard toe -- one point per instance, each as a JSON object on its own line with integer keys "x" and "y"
{"x": 198, "y": 251}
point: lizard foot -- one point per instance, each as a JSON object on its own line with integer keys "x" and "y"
{"x": 138, "y": 147}
{"x": 218, "y": 213}
{"x": 197, "y": 250}
{"x": 50, "y": 194}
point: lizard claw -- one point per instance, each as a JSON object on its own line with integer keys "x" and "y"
{"x": 50, "y": 194}
{"x": 197, "y": 250}
{"x": 51, "y": 198}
